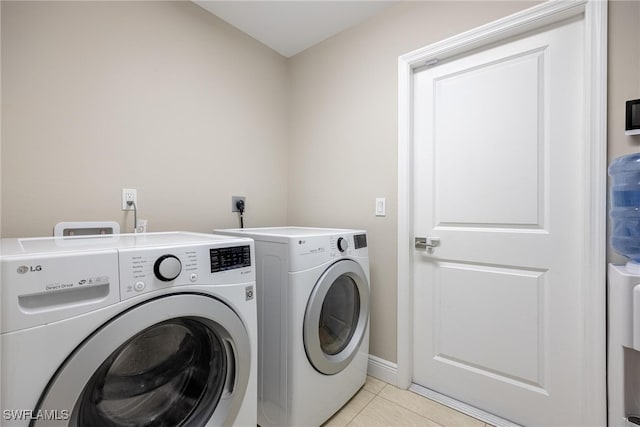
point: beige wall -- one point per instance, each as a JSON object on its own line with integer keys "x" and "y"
{"x": 623, "y": 73}
{"x": 162, "y": 97}
{"x": 343, "y": 143}
{"x": 623, "y": 80}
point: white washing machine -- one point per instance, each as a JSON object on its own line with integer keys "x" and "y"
{"x": 154, "y": 329}
{"x": 313, "y": 313}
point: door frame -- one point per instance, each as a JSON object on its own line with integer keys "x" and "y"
{"x": 594, "y": 162}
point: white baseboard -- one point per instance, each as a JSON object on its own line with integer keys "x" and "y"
{"x": 383, "y": 370}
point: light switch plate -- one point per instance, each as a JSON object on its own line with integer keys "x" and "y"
{"x": 381, "y": 206}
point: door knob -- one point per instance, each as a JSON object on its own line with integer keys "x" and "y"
{"x": 427, "y": 242}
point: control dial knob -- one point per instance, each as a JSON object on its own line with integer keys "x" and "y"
{"x": 343, "y": 244}
{"x": 167, "y": 268}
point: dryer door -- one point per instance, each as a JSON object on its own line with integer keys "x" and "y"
{"x": 336, "y": 317}
{"x": 178, "y": 360}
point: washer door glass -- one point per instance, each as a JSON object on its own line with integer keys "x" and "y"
{"x": 339, "y": 315}
{"x": 336, "y": 317}
{"x": 161, "y": 377}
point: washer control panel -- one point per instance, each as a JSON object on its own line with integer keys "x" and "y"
{"x": 230, "y": 258}
{"x": 147, "y": 270}
{"x": 167, "y": 268}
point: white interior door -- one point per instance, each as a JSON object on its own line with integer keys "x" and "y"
{"x": 498, "y": 143}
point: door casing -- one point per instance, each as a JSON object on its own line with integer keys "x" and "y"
{"x": 593, "y": 193}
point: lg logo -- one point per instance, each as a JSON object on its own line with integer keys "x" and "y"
{"x": 25, "y": 269}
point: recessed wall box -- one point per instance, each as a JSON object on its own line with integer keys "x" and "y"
{"x": 85, "y": 228}
{"x": 632, "y": 122}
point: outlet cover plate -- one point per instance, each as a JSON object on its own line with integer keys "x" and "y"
{"x": 234, "y": 200}
{"x": 129, "y": 194}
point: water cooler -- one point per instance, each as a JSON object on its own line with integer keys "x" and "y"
{"x": 623, "y": 362}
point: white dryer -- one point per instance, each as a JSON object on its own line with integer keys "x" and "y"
{"x": 154, "y": 329}
{"x": 313, "y": 313}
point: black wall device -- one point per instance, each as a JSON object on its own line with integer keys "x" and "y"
{"x": 632, "y": 122}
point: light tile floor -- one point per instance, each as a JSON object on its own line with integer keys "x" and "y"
{"x": 379, "y": 404}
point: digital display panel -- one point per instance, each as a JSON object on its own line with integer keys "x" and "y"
{"x": 223, "y": 259}
{"x": 360, "y": 241}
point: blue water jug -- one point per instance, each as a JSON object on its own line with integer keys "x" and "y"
{"x": 625, "y": 206}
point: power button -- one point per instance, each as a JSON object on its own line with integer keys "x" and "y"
{"x": 139, "y": 286}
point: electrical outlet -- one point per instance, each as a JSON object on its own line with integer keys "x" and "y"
{"x": 234, "y": 200}
{"x": 142, "y": 226}
{"x": 129, "y": 195}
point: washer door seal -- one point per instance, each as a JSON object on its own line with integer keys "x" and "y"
{"x": 181, "y": 359}
{"x": 336, "y": 317}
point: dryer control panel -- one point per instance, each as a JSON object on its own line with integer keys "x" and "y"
{"x": 309, "y": 252}
{"x": 348, "y": 244}
{"x": 146, "y": 270}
